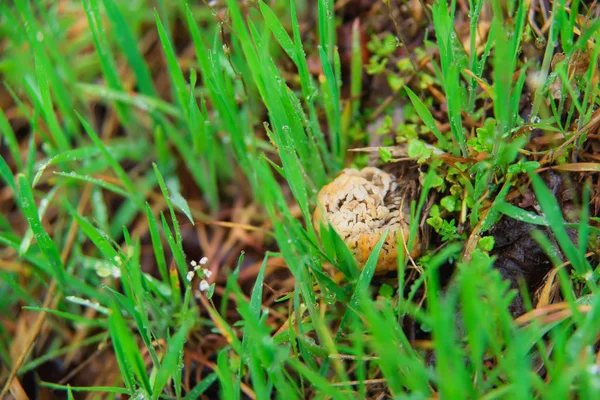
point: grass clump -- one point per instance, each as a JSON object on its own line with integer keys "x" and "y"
{"x": 162, "y": 163}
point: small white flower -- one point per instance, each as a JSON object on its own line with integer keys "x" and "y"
{"x": 190, "y": 276}
{"x": 203, "y": 260}
{"x": 203, "y": 285}
{"x": 207, "y": 272}
{"x": 116, "y": 273}
{"x": 197, "y": 268}
{"x": 193, "y": 263}
{"x": 117, "y": 260}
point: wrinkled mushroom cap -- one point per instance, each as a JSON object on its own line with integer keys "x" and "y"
{"x": 361, "y": 206}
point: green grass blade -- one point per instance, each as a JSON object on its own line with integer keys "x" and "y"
{"x": 127, "y": 352}
{"x": 119, "y": 171}
{"x": 554, "y": 217}
{"x": 171, "y": 362}
{"x": 47, "y": 246}
{"x": 111, "y": 74}
{"x": 128, "y": 44}
{"x": 426, "y": 117}
{"x": 176, "y": 75}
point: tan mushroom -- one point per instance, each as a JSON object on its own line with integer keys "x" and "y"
{"x": 361, "y": 206}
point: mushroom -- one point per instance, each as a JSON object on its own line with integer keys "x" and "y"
{"x": 361, "y": 206}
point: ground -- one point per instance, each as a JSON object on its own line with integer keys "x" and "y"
{"x": 299, "y": 199}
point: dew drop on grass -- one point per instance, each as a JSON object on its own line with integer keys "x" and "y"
{"x": 329, "y": 298}
{"x": 143, "y": 106}
{"x": 267, "y": 341}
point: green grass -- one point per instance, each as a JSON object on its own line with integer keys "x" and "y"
{"x": 91, "y": 202}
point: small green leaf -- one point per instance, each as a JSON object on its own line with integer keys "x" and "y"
{"x": 486, "y": 243}
{"x": 385, "y": 154}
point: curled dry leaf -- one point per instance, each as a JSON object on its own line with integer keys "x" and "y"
{"x": 361, "y": 206}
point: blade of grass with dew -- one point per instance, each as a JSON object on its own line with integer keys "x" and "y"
{"x": 344, "y": 257}
{"x": 474, "y": 14}
{"x": 426, "y": 117}
{"x": 270, "y": 90}
{"x": 99, "y": 389}
{"x": 296, "y": 52}
{"x": 157, "y": 244}
{"x": 231, "y": 282}
{"x": 127, "y": 353}
{"x": 268, "y": 354}
{"x": 63, "y": 158}
{"x": 171, "y": 362}
{"x": 554, "y": 216}
{"x": 47, "y": 246}
{"x": 28, "y": 236}
{"x": 192, "y": 115}
{"x": 519, "y": 214}
{"x": 167, "y": 197}
{"x": 177, "y": 78}
{"x": 546, "y": 64}
{"x": 226, "y": 379}
{"x": 119, "y": 171}
{"x": 591, "y": 92}
{"x": 446, "y": 37}
{"x": 470, "y": 284}
{"x": 201, "y": 387}
{"x": 399, "y": 364}
{"x": 129, "y": 45}
{"x": 34, "y": 31}
{"x": 355, "y": 70}
{"x": 47, "y": 107}
{"x": 321, "y": 384}
{"x": 309, "y": 92}
{"x": 99, "y": 209}
{"x": 326, "y": 27}
{"x": 71, "y": 317}
{"x": 107, "y": 64}
{"x": 229, "y": 113}
{"x": 98, "y": 238}
{"x": 142, "y": 102}
{"x": 139, "y": 295}
{"x": 176, "y": 249}
{"x": 331, "y": 102}
{"x": 98, "y": 182}
{"x": 361, "y": 284}
{"x": 260, "y": 354}
{"x": 453, "y": 378}
{"x": 205, "y": 148}
{"x": 505, "y": 65}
